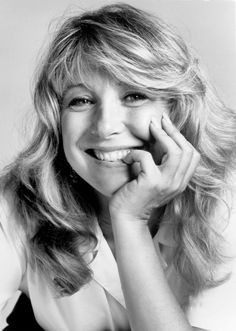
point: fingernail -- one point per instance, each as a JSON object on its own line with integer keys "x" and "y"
{"x": 166, "y": 118}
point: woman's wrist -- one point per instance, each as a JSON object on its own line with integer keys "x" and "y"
{"x": 129, "y": 231}
{"x": 129, "y": 222}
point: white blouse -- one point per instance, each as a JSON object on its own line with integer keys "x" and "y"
{"x": 99, "y": 305}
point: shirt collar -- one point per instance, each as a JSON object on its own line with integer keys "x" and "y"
{"x": 105, "y": 270}
{"x": 104, "y": 266}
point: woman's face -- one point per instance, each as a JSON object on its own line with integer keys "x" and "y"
{"x": 100, "y": 124}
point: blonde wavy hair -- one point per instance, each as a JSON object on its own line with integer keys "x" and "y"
{"x": 58, "y": 209}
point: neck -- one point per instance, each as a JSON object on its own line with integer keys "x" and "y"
{"x": 104, "y": 218}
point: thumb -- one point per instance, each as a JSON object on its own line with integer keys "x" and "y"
{"x": 136, "y": 169}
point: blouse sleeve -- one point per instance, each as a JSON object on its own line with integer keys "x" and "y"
{"x": 215, "y": 309}
{"x": 11, "y": 261}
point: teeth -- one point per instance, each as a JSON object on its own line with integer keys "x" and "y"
{"x": 111, "y": 156}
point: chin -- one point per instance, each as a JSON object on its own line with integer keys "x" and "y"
{"x": 109, "y": 186}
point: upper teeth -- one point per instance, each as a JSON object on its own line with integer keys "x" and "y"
{"x": 111, "y": 156}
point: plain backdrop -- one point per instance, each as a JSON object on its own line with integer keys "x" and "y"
{"x": 25, "y": 25}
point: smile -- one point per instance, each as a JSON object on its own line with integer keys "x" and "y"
{"x": 109, "y": 156}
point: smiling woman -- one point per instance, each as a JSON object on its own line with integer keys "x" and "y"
{"x": 101, "y": 124}
{"x": 129, "y": 171}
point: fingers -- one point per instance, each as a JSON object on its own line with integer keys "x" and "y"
{"x": 181, "y": 156}
{"x": 189, "y": 156}
{"x": 172, "y": 132}
{"x": 145, "y": 160}
{"x": 181, "y": 161}
{"x": 162, "y": 137}
{"x": 166, "y": 146}
{"x": 172, "y": 151}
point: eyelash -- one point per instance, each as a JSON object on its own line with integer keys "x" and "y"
{"x": 83, "y": 101}
{"x": 130, "y": 98}
{"x": 136, "y": 96}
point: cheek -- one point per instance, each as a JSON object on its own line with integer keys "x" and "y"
{"x": 67, "y": 127}
{"x": 72, "y": 128}
{"x": 141, "y": 122}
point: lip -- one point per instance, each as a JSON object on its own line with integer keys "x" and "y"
{"x": 110, "y": 164}
{"x": 113, "y": 148}
{"x": 107, "y": 164}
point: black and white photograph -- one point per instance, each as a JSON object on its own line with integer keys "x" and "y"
{"x": 118, "y": 165}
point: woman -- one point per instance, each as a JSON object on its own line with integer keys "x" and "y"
{"x": 119, "y": 214}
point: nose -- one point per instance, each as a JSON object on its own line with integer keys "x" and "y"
{"x": 108, "y": 120}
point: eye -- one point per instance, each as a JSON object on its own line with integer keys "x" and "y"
{"x": 80, "y": 103}
{"x": 135, "y": 99}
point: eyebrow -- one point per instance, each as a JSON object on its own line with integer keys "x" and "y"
{"x": 119, "y": 84}
{"x": 71, "y": 87}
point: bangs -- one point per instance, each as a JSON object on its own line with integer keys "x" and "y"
{"x": 120, "y": 54}
{"x": 123, "y": 57}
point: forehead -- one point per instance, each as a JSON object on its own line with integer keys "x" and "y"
{"x": 94, "y": 79}
{"x": 83, "y": 68}
{"x": 98, "y": 83}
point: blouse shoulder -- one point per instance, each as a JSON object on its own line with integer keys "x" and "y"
{"x": 12, "y": 257}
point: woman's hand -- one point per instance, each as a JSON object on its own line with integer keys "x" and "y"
{"x": 155, "y": 184}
